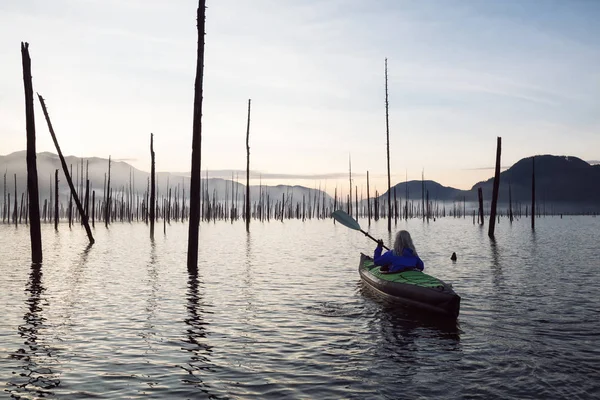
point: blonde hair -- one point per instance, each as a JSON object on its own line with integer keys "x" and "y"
{"x": 403, "y": 241}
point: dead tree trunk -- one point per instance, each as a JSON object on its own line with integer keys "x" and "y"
{"x": 427, "y": 205}
{"x": 533, "y": 193}
{"x": 4, "y": 203}
{"x": 152, "y": 187}
{"x": 495, "y": 190}
{"x": 32, "y": 178}
{"x": 356, "y": 199}
{"x": 21, "y": 210}
{"x": 93, "y": 208}
{"x": 423, "y": 194}
{"x": 247, "y": 211}
{"x": 368, "y": 200}
{"x": 510, "y": 210}
{"x": 87, "y": 200}
{"x": 107, "y": 207}
{"x": 480, "y": 195}
{"x": 16, "y": 202}
{"x": 56, "y": 200}
{"x": 65, "y": 170}
{"x": 387, "y": 134}
{"x": 194, "y": 225}
{"x": 350, "y": 179}
{"x": 71, "y": 203}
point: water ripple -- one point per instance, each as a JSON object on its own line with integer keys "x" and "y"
{"x": 282, "y": 313}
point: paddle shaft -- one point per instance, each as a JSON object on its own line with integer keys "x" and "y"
{"x": 343, "y": 218}
{"x": 371, "y": 237}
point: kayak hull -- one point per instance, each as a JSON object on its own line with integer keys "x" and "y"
{"x": 412, "y": 288}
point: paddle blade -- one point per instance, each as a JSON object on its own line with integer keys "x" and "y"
{"x": 346, "y": 220}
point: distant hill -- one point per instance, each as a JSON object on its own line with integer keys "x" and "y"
{"x": 566, "y": 182}
{"x": 436, "y": 191}
{"x": 559, "y": 179}
{"x": 47, "y": 163}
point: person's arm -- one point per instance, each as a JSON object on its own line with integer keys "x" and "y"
{"x": 382, "y": 259}
{"x": 420, "y": 264}
{"x": 378, "y": 250}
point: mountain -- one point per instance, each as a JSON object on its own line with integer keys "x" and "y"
{"x": 567, "y": 183}
{"x": 558, "y": 179}
{"x": 415, "y": 189}
{"x": 122, "y": 172}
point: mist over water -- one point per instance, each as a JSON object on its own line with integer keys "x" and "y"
{"x": 282, "y": 313}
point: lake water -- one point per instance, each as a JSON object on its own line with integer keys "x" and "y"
{"x": 282, "y": 313}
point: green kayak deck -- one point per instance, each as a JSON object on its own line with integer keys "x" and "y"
{"x": 413, "y": 288}
{"x": 417, "y": 278}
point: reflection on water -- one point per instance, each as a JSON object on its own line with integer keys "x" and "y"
{"x": 401, "y": 321}
{"x": 196, "y": 342}
{"x": 149, "y": 331}
{"x": 38, "y": 376}
{"x": 248, "y": 286}
{"x": 282, "y": 313}
{"x": 496, "y": 267}
{"x": 153, "y": 282}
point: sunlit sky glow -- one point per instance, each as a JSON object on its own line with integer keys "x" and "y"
{"x": 460, "y": 74}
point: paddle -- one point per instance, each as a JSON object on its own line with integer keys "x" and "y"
{"x": 346, "y": 220}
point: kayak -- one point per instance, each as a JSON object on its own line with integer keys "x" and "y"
{"x": 412, "y": 288}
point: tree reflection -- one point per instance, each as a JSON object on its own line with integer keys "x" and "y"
{"x": 195, "y": 341}
{"x": 36, "y": 377}
{"x": 497, "y": 276}
{"x": 248, "y": 287}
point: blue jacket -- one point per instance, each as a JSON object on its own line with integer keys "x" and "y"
{"x": 398, "y": 263}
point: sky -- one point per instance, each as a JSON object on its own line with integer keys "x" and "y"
{"x": 461, "y": 73}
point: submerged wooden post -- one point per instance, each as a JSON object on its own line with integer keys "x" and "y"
{"x": 87, "y": 199}
{"x": 152, "y": 187}
{"x": 87, "y": 195}
{"x": 247, "y": 200}
{"x": 35, "y": 232}
{"x": 356, "y": 200}
{"x": 406, "y": 200}
{"x": 350, "y": 179}
{"x": 4, "y": 203}
{"x": 368, "y": 200}
{"x": 423, "y": 193}
{"x": 510, "y": 210}
{"x": 93, "y": 208}
{"x": 16, "y": 202}
{"x": 427, "y": 211}
{"x": 56, "y": 200}
{"x": 21, "y": 210}
{"x": 495, "y": 190}
{"x": 194, "y": 224}
{"x": 533, "y": 193}
{"x": 387, "y": 134}
{"x": 71, "y": 203}
{"x": 107, "y": 206}
{"x": 66, "y": 171}
{"x": 480, "y": 195}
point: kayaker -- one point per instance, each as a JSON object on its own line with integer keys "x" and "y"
{"x": 402, "y": 257}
